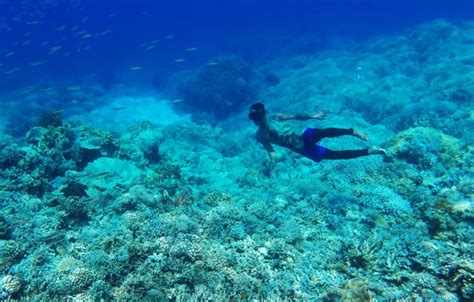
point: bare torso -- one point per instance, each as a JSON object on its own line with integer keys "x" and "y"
{"x": 281, "y": 135}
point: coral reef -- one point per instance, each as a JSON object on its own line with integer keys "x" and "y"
{"x": 187, "y": 211}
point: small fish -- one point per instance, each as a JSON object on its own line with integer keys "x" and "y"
{"x": 11, "y": 53}
{"x": 179, "y": 60}
{"x": 85, "y": 19}
{"x": 73, "y": 88}
{"x": 62, "y": 27}
{"x": 25, "y": 43}
{"x": 45, "y": 43}
{"x": 26, "y": 90}
{"x": 111, "y": 15}
{"x": 58, "y": 111}
{"x": 38, "y": 63}
{"x": 212, "y": 63}
{"x": 84, "y": 174}
{"x": 18, "y": 223}
{"x": 32, "y": 23}
{"x": 119, "y": 108}
{"x": 54, "y": 49}
{"x": 136, "y": 68}
{"x": 150, "y": 47}
{"x": 67, "y": 53}
{"x": 102, "y": 175}
{"x": 74, "y": 28}
{"x": 143, "y": 45}
{"x": 14, "y": 70}
{"x": 169, "y": 37}
{"x": 53, "y": 238}
{"x": 27, "y": 34}
{"x": 105, "y": 32}
{"x": 87, "y": 36}
{"x": 191, "y": 49}
{"x": 177, "y": 101}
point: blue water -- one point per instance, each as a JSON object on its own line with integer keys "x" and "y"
{"x": 130, "y": 170}
{"x": 256, "y": 30}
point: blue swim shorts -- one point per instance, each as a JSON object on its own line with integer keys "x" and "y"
{"x": 312, "y": 150}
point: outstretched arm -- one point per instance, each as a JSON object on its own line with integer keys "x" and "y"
{"x": 301, "y": 117}
{"x": 271, "y": 153}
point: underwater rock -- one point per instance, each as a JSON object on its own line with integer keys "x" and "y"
{"x": 74, "y": 207}
{"x": 74, "y": 189}
{"x": 93, "y": 143}
{"x": 137, "y": 197}
{"x": 141, "y": 144}
{"x": 220, "y": 89}
{"x": 426, "y": 148}
{"x": 35, "y": 134}
{"x": 462, "y": 95}
{"x": 10, "y": 156}
{"x": 357, "y": 291}
{"x": 215, "y": 198}
{"x": 50, "y": 151}
{"x": 70, "y": 283}
{"x": 187, "y": 248}
{"x": 168, "y": 177}
{"x": 10, "y": 252}
{"x": 105, "y": 173}
{"x": 3, "y": 228}
{"x": 271, "y": 78}
{"x": 426, "y": 39}
{"x": 133, "y": 220}
{"x": 50, "y": 119}
{"x": 9, "y": 286}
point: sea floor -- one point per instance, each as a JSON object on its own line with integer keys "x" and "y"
{"x": 126, "y": 199}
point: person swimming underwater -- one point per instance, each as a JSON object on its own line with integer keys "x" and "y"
{"x": 305, "y": 144}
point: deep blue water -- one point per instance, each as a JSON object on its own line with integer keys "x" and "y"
{"x": 100, "y": 40}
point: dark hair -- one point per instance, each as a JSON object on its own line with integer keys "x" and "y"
{"x": 257, "y": 106}
{"x": 257, "y": 111}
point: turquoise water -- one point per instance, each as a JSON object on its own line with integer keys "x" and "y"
{"x": 129, "y": 170}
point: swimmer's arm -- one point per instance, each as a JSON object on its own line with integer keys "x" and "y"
{"x": 271, "y": 152}
{"x": 300, "y": 117}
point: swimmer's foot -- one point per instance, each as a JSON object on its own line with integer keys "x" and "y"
{"x": 360, "y": 135}
{"x": 375, "y": 150}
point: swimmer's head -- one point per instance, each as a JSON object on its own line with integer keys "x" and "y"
{"x": 257, "y": 113}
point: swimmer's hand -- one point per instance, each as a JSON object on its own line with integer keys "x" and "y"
{"x": 321, "y": 115}
{"x": 274, "y": 158}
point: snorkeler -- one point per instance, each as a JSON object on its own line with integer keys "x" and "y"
{"x": 305, "y": 144}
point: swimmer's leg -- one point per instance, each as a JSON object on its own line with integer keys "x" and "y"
{"x": 348, "y": 154}
{"x": 318, "y": 134}
{"x": 345, "y": 154}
